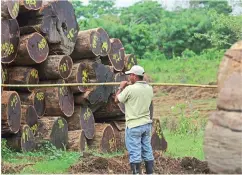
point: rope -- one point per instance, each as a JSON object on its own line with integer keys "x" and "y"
{"x": 103, "y": 84}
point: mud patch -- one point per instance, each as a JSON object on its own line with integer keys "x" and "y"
{"x": 9, "y": 168}
{"x": 120, "y": 165}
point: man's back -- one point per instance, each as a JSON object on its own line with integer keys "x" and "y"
{"x": 137, "y": 99}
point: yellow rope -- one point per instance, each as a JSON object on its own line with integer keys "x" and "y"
{"x": 103, "y": 84}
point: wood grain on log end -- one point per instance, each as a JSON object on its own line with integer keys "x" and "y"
{"x": 77, "y": 140}
{"x": 9, "y": 40}
{"x": 30, "y": 5}
{"x": 158, "y": 141}
{"x": 129, "y": 61}
{"x": 105, "y": 42}
{"x": 29, "y": 116}
{"x": 9, "y": 9}
{"x": 11, "y": 112}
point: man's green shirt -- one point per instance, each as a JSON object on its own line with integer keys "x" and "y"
{"x": 137, "y": 99}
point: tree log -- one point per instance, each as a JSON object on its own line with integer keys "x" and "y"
{"x": 4, "y": 75}
{"x": 53, "y": 129}
{"x": 223, "y": 148}
{"x": 129, "y": 61}
{"x": 33, "y": 49}
{"x": 116, "y": 55}
{"x": 77, "y": 140}
{"x": 158, "y": 141}
{"x": 11, "y": 112}
{"x": 118, "y": 77}
{"x": 9, "y": 40}
{"x": 26, "y": 5}
{"x": 105, "y": 41}
{"x": 23, "y": 141}
{"x": 230, "y": 95}
{"x": 56, "y": 21}
{"x": 104, "y": 139}
{"x": 23, "y": 75}
{"x": 55, "y": 67}
{"x": 36, "y": 98}
{"x": 119, "y": 131}
{"x": 59, "y": 101}
{"x": 29, "y": 117}
{"x": 9, "y": 9}
{"x": 88, "y": 45}
{"x": 83, "y": 72}
{"x": 82, "y": 119}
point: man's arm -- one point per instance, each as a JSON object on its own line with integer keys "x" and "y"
{"x": 123, "y": 84}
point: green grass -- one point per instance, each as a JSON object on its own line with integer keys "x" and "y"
{"x": 182, "y": 145}
{"x": 190, "y": 71}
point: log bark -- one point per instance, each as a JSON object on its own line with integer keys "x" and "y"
{"x": 10, "y": 35}
{"x": 158, "y": 141}
{"x": 223, "y": 149}
{"x": 56, "y": 21}
{"x": 23, "y": 141}
{"x": 59, "y": 101}
{"x": 230, "y": 95}
{"x": 116, "y": 55}
{"x": 36, "y": 98}
{"x": 55, "y": 67}
{"x": 11, "y": 112}
{"x": 129, "y": 61}
{"x": 33, "y": 49}
{"x": 29, "y": 117}
{"x": 88, "y": 45}
{"x": 104, "y": 139}
{"x": 54, "y": 130}
{"x": 82, "y": 119}
{"x": 23, "y": 75}
{"x": 26, "y": 5}
{"x": 77, "y": 141}
{"x": 9, "y": 9}
{"x": 83, "y": 72}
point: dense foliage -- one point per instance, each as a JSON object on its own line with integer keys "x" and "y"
{"x": 148, "y": 30}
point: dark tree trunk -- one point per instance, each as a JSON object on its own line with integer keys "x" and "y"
{"x": 82, "y": 119}
{"x": 129, "y": 61}
{"x": 36, "y": 98}
{"x": 88, "y": 45}
{"x": 56, "y": 21}
{"x": 116, "y": 55}
{"x": 55, "y": 67}
{"x": 26, "y": 5}
{"x": 77, "y": 140}
{"x": 83, "y": 72}
{"x": 59, "y": 100}
{"x": 33, "y": 49}
{"x": 29, "y": 117}
{"x": 53, "y": 129}
{"x": 9, "y": 9}
{"x": 23, "y": 75}
{"x": 104, "y": 139}
{"x": 9, "y": 40}
{"x": 11, "y": 112}
{"x": 158, "y": 141}
{"x": 23, "y": 141}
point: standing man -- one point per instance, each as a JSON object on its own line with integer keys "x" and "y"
{"x": 137, "y": 98}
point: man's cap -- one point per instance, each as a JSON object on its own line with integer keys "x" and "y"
{"x": 137, "y": 70}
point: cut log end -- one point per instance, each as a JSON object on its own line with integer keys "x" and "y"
{"x": 37, "y": 47}
{"x": 158, "y": 141}
{"x": 11, "y": 9}
{"x": 29, "y": 115}
{"x": 105, "y": 42}
{"x": 27, "y": 139}
{"x": 9, "y": 40}
{"x": 39, "y": 102}
{"x": 66, "y": 99}
{"x": 77, "y": 140}
{"x": 59, "y": 133}
{"x": 87, "y": 122}
{"x": 65, "y": 67}
{"x": 11, "y": 112}
{"x": 95, "y": 43}
{"x": 129, "y": 61}
{"x": 33, "y": 79}
{"x": 108, "y": 142}
{"x": 31, "y": 5}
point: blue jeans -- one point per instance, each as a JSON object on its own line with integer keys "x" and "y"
{"x": 138, "y": 143}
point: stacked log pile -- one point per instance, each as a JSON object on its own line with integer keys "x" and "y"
{"x": 49, "y": 48}
{"x": 223, "y": 135}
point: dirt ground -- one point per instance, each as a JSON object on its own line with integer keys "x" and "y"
{"x": 120, "y": 165}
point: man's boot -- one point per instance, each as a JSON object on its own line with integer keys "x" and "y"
{"x": 149, "y": 166}
{"x": 136, "y": 168}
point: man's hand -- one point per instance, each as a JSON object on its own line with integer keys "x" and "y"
{"x": 123, "y": 84}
